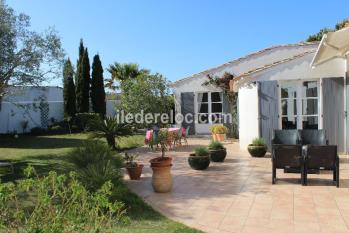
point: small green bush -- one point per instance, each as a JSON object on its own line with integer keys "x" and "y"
{"x": 38, "y": 131}
{"x": 258, "y": 142}
{"x": 58, "y": 203}
{"x": 82, "y": 120}
{"x": 216, "y": 145}
{"x": 201, "y": 151}
{"x": 218, "y": 129}
{"x": 57, "y": 128}
{"x": 96, "y": 164}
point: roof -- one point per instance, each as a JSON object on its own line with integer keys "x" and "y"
{"x": 208, "y": 71}
{"x": 270, "y": 65}
{"x": 236, "y": 79}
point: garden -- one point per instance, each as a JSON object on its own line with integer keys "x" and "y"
{"x": 68, "y": 183}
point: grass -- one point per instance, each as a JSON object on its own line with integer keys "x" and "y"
{"x": 47, "y": 153}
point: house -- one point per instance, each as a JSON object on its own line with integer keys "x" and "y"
{"x": 278, "y": 88}
{"x": 35, "y": 106}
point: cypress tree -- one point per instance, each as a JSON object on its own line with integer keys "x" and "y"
{"x": 68, "y": 90}
{"x": 83, "y": 81}
{"x": 97, "y": 87}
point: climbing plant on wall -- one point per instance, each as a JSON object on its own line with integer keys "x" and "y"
{"x": 223, "y": 83}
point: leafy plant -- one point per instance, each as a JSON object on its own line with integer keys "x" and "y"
{"x": 258, "y": 142}
{"x": 163, "y": 141}
{"x": 82, "y": 120}
{"x": 130, "y": 160}
{"x": 218, "y": 129}
{"x": 58, "y": 203}
{"x": 216, "y": 145}
{"x": 37, "y": 131}
{"x": 96, "y": 164}
{"x": 109, "y": 128}
{"x": 24, "y": 125}
{"x": 201, "y": 151}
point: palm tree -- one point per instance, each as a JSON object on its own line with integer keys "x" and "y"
{"x": 121, "y": 72}
{"x": 109, "y": 128}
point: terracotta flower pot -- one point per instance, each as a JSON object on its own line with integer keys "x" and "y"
{"x": 135, "y": 172}
{"x": 219, "y": 137}
{"x": 214, "y": 137}
{"x": 161, "y": 179}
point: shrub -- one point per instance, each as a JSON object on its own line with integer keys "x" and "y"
{"x": 258, "y": 142}
{"x": 216, "y": 145}
{"x": 56, "y": 129}
{"x": 38, "y": 131}
{"x": 201, "y": 151}
{"x": 82, "y": 120}
{"x": 58, "y": 203}
{"x": 130, "y": 160}
{"x": 109, "y": 128}
{"x": 219, "y": 129}
{"x": 96, "y": 164}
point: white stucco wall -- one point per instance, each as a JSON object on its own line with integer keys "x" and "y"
{"x": 18, "y": 106}
{"x": 248, "y": 115}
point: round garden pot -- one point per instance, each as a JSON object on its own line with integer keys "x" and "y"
{"x": 135, "y": 172}
{"x": 257, "y": 151}
{"x": 161, "y": 179}
{"x": 198, "y": 162}
{"x": 219, "y": 137}
{"x": 218, "y": 155}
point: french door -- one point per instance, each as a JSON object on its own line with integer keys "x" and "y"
{"x": 299, "y": 104}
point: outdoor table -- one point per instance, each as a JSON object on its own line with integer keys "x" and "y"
{"x": 149, "y": 133}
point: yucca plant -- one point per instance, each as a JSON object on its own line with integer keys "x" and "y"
{"x": 109, "y": 128}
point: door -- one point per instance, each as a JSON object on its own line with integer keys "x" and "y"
{"x": 187, "y": 107}
{"x": 268, "y": 110}
{"x": 333, "y": 111}
{"x": 299, "y": 105}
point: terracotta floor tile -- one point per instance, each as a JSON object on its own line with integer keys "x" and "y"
{"x": 237, "y": 195}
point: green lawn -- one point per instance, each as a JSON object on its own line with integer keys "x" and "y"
{"x": 47, "y": 153}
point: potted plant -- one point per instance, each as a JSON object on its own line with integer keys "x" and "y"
{"x": 218, "y": 132}
{"x": 200, "y": 160}
{"x": 217, "y": 151}
{"x": 161, "y": 166}
{"x": 133, "y": 168}
{"x": 257, "y": 148}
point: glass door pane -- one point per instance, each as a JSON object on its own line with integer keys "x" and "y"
{"x": 310, "y": 105}
{"x": 289, "y": 105}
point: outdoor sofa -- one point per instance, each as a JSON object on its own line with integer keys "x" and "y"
{"x": 303, "y": 151}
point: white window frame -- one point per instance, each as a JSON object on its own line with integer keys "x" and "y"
{"x": 300, "y": 97}
{"x": 209, "y": 99}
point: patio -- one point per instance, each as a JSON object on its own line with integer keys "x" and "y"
{"x": 237, "y": 195}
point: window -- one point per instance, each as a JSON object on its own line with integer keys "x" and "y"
{"x": 210, "y": 107}
{"x": 302, "y": 96}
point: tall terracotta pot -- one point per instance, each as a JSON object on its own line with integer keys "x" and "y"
{"x": 161, "y": 179}
{"x": 219, "y": 137}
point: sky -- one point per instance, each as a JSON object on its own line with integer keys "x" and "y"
{"x": 178, "y": 38}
